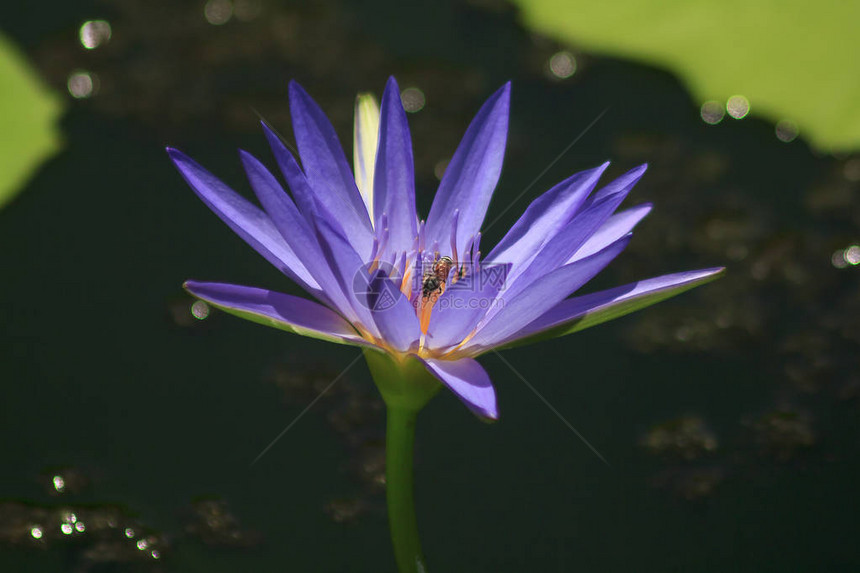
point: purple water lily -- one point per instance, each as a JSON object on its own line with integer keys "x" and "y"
{"x": 340, "y": 224}
{"x": 416, "y": 295}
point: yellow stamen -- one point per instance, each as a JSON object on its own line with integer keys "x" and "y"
{"x": 405, "y": 285}
{"x": 425, "y": 307}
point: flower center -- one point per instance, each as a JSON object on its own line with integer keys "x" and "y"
{"x": 422, "y": 273}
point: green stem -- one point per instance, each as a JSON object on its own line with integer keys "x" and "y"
{"x": 399, "y": 445}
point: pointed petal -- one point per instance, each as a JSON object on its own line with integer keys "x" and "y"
{"x": 472, "y": 173}
{"x": 394, "y": 177}
{"x": 468, "y": 381}
{"x": 622, "y": 184}
{"x": 246, "y": 220}
{"x": 393, "y": 313}
{"x": 566, "y": 242}
{"x": 295, "y": 178}
{"x": 579, "y": 313}
{"x": 613, "y": 229}
{"x": 312, "y": 210}
{"x": 278, "y": 310}
{"x": 294, "y": 229}
{"x": 326, "y": 168}
{"x": 365, "y": 140}
{"x": 545, "y": 217}
{"x": 458, "y": 310}
{"x": 280, "y": 208}
{"x": 541, "y": 296}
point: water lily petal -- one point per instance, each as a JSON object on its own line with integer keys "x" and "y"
{"x": 280, "y": 207}
{"x": 295, "y": 178}
{"x": 278, "y": 310}
{"x": 579, "y": 313}
{"x": 566, "y": 242}
{"x": 613, "y": 229}
{"x": 308, "y": 203}
{"x": 365, "y": 139}
{"x": 622, "y": 184}
{"x": 463, "y": 304}
{"x": 541, "y": 296}
{"x": 246, "y": 220}
{"x": 327, "y": 170}
{"x": 349, "y": 270}
{"x": 294, "y": 228}
{"x": 544, "y": 218}
{"x": 472, "y": 173}
{"x": 394, "y": 177}
{"x": 393, "y": 313}
{"x": 468, "y": 381}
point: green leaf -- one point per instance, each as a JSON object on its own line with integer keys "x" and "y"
{"x": 792, "y": 60}
{"x": 28, "y": 121}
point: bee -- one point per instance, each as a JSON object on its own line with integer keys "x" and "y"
{"x": 434, "y": 279}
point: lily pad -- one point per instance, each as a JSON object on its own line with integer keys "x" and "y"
{"x": 793, "y": 61}
{"x": 28, "y": 121}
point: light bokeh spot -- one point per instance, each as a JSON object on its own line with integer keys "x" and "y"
{"x": 200, "y": 310}
{"x": 413, "y": 99}
{"x": 82, "y": 84}
{"x": 837, "y": 259}
{"x": 712, "y": 112}
{"x": 851, "y": 170}
{"x": 562, "y": 65}
{"x": 786, "y": 131}
{"x": 842, "y": 258}
{"x": 738, "y": 106}
{"x": 94, "y": 33}
{"x": 218, "y": 12}
{"x": 440, "y": 167}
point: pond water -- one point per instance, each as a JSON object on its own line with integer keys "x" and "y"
{"x": 728, "y": 416}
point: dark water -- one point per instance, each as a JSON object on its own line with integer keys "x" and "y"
{"x": 728, "y": 416}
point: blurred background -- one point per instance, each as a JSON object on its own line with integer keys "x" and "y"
{"x": 729, "y": 416}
